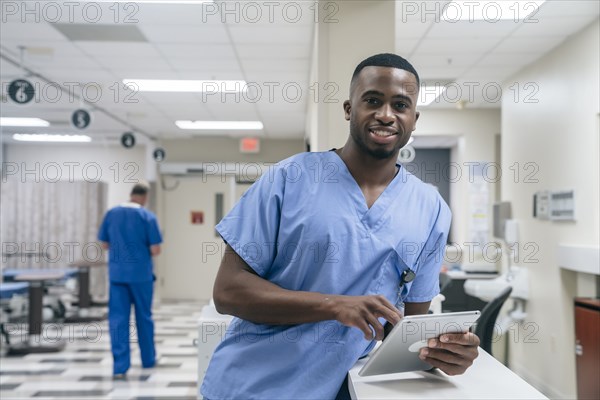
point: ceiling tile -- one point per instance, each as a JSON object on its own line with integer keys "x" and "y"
{"x": 498, "y": 59}
{"x": 275, "y": 64}
{"x": 116, "y": 50}
{"x": 567, "y": 8}
{"x": 180, "y": 34}
{"x": 561, "y": 26}
{"x": 190, "y": 70}
{"x": 204, "y": 51}
{"x": 280, "y": 51}
{"x": 32, "y": 30}
{"x": 449, "y": 59}
{"x": 270, "y": 34}
{"x": 529, "y": 43}
{"x": 471, "y": 29}
{"x": 471, "y": 45}
{"x": 412, "y": 29}
{"x": 174, "y": 14}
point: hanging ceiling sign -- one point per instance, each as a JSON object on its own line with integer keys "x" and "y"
{"x": 81, "y": 119}
{"x": 128, "y": 140}
{"x": 159, "y": 154}
{"x": 21, "y": 91}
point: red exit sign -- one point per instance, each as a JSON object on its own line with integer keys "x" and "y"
{"x": 249, "y": 145}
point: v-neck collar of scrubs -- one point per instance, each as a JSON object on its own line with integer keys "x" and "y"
{"x": 130, "y": 204}
{"x": 370, "y": 217}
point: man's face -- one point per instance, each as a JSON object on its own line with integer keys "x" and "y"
{"x": 382, "y": 110}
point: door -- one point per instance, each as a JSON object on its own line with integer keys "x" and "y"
{"x": 191, "y": 248}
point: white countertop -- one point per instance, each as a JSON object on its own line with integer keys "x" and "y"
{"x": 486, "y": 379}
{"x": 454, "y": 274}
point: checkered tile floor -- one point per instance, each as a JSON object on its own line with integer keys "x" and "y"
{"x": 83, "y": 370}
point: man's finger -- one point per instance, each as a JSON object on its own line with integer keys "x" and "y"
{"x": 388, "y": 311}
{"x": 449, "y": 357}
{"x": 466, "y": 339}
{"x": 465, "y": 350}
{"x": 386, "y": 303}
{"x": 450, "y": 369}
{"x": 374, "y": 322}
{"x": 389, "y": 316}
{"x": 363, "y": 326}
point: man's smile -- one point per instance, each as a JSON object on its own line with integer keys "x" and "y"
{"x": 383, "y": 131}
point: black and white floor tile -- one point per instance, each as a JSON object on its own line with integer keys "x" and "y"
{"x": 83, "y": 369}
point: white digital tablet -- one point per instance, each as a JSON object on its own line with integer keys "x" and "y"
{"x": 399, "y": 352}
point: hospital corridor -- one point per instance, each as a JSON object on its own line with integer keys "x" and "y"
{"x": 299, "y": 199}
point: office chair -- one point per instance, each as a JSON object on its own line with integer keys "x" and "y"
{"x": 485, "y": 325}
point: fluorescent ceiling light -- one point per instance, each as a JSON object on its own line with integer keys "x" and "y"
{"x": 23, "y": 122}
{"x": 428, "y": 94}
{"x": 220, "y": 125}
{"x": 161, "y": 85}
{"x": 44, "y": 137}
{"x": 516, "y": 10}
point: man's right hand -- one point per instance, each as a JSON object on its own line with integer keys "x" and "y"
{"x": 363, "y": 312}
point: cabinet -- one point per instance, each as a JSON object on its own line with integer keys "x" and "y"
{"x": 587, "y": 347}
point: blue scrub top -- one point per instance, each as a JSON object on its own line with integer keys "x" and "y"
{"x": 130, "y": 230}
{"x": 305, "y": 226}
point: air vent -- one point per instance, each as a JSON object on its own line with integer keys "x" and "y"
{"x": 101, "y": 33}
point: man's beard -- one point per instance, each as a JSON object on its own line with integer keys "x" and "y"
{"x": 380, "y": 153}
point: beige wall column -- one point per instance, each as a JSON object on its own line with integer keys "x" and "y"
{"x": 347, "y": 32}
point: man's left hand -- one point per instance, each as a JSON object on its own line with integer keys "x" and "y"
{"x": 453, "y": 353}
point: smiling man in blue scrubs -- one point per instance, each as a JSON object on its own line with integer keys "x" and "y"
{"x": 131, "y": 234}
{"x": 316, "y": 251}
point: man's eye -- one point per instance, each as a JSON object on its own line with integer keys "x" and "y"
{"x": 372, "y": 100}
{"x": 401, "y": 105}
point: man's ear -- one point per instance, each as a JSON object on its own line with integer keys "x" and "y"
{"x": 347, "y": 109}
{"x": 417, "y": 114}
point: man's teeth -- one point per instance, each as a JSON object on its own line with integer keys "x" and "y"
{"x": 382, "y": 133}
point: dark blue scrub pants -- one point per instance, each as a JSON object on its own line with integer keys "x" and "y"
{"x": 122, "y": 296}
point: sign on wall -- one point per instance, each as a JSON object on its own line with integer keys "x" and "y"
{"x": 197, "y": 217}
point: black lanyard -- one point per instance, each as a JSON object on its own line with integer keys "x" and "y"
{"x": 407, "y": 276}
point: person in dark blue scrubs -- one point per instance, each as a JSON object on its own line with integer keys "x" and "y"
{"x": 132, "y": 236}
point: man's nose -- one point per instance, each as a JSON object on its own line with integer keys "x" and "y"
{"x": 385, "y": 114}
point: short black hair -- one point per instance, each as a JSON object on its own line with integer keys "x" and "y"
{"x": 140, "y": 189}
{"x": 386, "y": 60}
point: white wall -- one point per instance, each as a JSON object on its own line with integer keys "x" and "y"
{"x": 560, "y": 135}
{"x": 475, "y": 130}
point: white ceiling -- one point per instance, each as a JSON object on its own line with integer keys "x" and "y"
{"x": 188, "y": 42}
